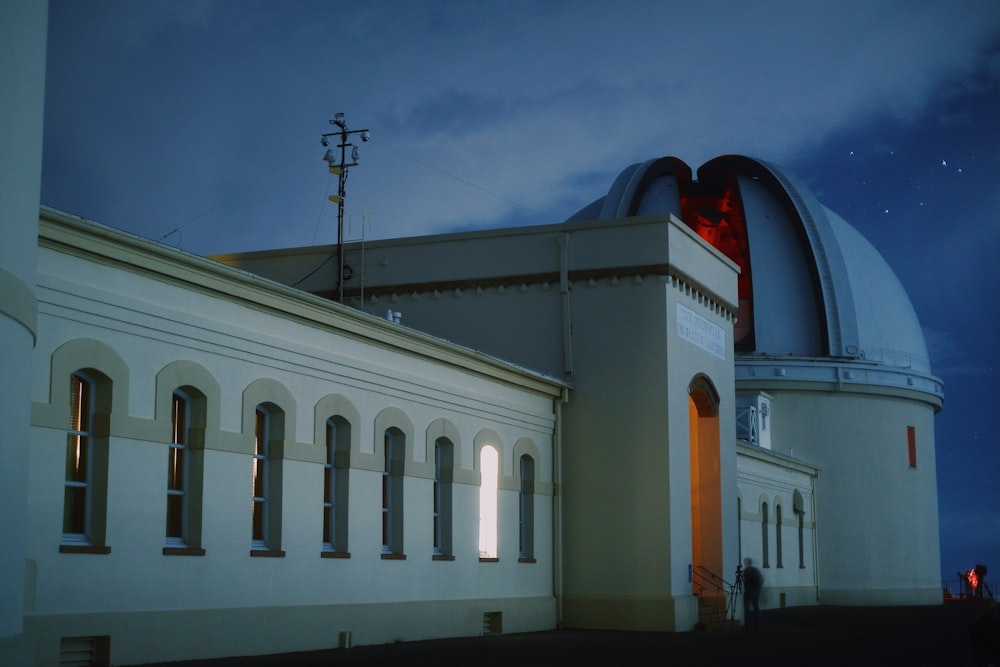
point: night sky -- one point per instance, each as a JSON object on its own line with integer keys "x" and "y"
{"x": 197, "y": 123}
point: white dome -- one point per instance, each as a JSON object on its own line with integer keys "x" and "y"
{"x": 888, "y": 331}
{"x": 819, "y": 289}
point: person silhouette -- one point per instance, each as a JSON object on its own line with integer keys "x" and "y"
{"x": 753, "y": 582}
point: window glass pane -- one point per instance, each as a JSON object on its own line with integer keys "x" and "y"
{"x": 258, "y": 521}
{"x": 75, "y": 510}
{"x": 77, "y": 453}
{"x": 175, "y": 516}
{"x": 777, "y": 533}
{"x": 258, "y": 478}
{"x": 175, "y": 473}
{"x": 330, "y": 484}
{"x": 260, "y": 434}
{"x": 488, "y": 524}
{"x": 79, "y": 397}
{"x": 180, "y": 420}
{"x": 76, "y": 495}
{"x": 763, "y": 533}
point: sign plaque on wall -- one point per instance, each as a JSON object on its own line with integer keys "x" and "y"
{"x": 699, "y": 331}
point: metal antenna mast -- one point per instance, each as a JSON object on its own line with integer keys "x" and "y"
{"x": 339, "y": 164}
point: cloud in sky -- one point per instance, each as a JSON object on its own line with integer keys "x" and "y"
{"x": 519, "y": 98}
{"x": 198, "y": 123}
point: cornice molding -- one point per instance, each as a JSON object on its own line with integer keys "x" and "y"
{"x": 81, "y": 238}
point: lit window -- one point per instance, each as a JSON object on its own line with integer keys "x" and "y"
{"x": 488, "y": 524}
{"x": 526, "y": 509}
{"x": 266, "y": 489}
{"x": 177, "y": 471}
{"x": 77, "y": 500}
{"x": 185, "y": 472}
{"x": 85, "y": 489}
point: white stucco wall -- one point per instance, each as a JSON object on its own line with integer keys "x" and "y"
{"x": 160, "y": 607}
{"x": 877, "y": 535}
{"x": 612, "y": 328}
{"x": 777, "y": 479}
{"x": 596, "y": 300}
{"x": 22, "y": 79}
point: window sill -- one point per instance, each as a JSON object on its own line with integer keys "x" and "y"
{"x": 484, "y": 559}
{"x": 393, "y": 556}
{"x": 447, "y": 557}
{"x": 266, "y": 553}
{"x": 334, "y": 554}
{"x": 526, "y": 560}
{"x": 183, "y": 551}
{"x": 83, "y": 549}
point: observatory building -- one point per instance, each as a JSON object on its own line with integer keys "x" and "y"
{"x": 748, "y": 378}
{"x": 586, "y": 424}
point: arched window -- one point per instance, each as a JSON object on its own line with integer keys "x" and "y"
{"x": 336, "y": 480}
{"x": 79, "y": 455}
{"x": 268, "y": 431}
{"x": 185, "y": 472}
{"x": 739, "y": 528}
{"x": 777, "y": 532}
{"x": 802, "y": 550}
{"x": 763, "y": 534}
{"x": 392, "y": 492}
{"x": 86, "y": 483}
{"x": 262, "y": 424}
{"x": 488, "y": 521}
{"x": 798, "y": 506}
{"x": 444, "y": 457}
{"x": 178, "y": 470}
{"x": 526, "y": 510}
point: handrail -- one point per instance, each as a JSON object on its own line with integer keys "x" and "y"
{"x": 717, "y": 582}
{"x": 965, "y": 589}
{"x": 703, "y": 582}
{"x": 729, "y": 590}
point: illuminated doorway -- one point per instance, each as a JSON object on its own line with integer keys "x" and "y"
{"x": 706, "y": 487}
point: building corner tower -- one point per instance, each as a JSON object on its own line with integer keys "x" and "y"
{"x": 23, "y": 26}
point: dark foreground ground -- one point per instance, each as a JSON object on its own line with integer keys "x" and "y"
{"x": 922, "y": 636}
